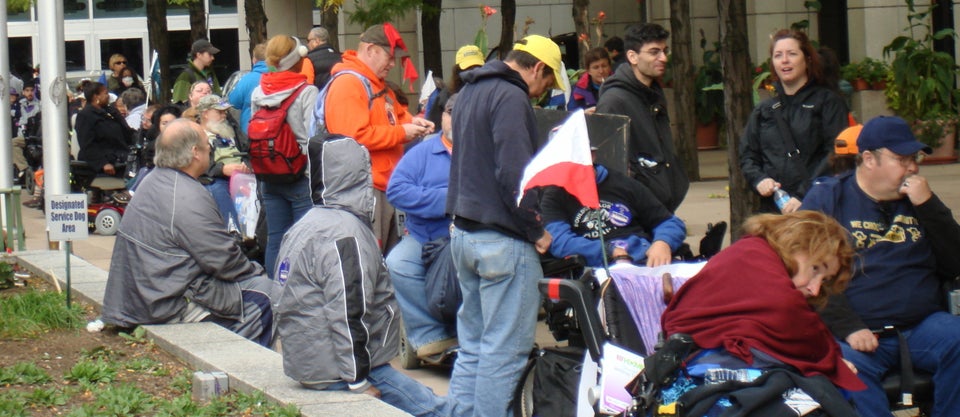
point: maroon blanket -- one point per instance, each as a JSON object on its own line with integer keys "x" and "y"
{"x": 742, "y": 299}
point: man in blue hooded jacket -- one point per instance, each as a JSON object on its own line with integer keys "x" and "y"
{"x": 239, "y": 97}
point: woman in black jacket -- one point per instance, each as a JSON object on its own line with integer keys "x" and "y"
{"x": 789, "y": 138}
{"x": 102, "y": 133}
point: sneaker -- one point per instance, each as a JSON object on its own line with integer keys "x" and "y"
{"x": 434, "y": 348}
{"x": 122, "y": 197}
{"x": 33, "y": 203}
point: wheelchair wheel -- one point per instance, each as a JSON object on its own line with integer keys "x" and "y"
{"x": 29, "y": 184}
{"x": 107, "y": 222}
{"x": 523, "y": 395}
{"x": 408, "y": 356}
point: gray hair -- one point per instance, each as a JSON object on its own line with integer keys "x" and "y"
{"x": 175, "y": 144}
{"x": 321, "y": 34}
{"x": 133, "y": 97}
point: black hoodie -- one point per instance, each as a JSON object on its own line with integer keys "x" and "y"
{"x": 495, "y": 135}
{"x": 650, "y": 136}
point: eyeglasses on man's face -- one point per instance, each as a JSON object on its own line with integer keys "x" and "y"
{"x": 903, "y": 160}
{"x": 655, "y": 52}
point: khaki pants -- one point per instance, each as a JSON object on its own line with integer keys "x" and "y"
{"x": 19, "y": 144}
{"x": 385, "y": 223}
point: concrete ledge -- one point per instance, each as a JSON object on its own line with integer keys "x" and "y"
{"x": 209, "y": 347}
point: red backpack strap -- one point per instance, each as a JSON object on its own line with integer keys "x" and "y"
{"x": 287, "y": 102}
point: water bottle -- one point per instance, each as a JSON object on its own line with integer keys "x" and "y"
{"x": 721, "y": 375}
{"x": 781, "y": 198}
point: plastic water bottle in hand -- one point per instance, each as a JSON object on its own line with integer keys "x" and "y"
{"x": 781, "y": 198}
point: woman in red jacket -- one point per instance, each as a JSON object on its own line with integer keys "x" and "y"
{"x": 756, "y": 299}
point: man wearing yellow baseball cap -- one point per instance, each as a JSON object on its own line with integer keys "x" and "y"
{"x": 546, "y": 51}
{"x": 494, "y": 243}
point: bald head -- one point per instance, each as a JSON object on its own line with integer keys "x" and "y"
{"x": 179, "y": 145}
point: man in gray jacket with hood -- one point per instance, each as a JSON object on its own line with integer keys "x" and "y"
{"x": 173, "y": 261}
{"x": 337, "y": 316}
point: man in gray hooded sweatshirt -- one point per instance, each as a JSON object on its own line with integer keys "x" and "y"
{"x": 338, "y": 318}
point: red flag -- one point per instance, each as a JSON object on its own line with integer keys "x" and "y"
{"x": 396, "y": 41}
{"x": 565, "y": 162}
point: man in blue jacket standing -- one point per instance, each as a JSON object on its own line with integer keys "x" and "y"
{"x": 239, "y": 97}
{"x": 495, "y": 242}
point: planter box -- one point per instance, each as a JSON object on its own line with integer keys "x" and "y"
{"x": 868, "y": 104}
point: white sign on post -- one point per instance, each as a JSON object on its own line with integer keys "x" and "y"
{"x": 67, "y": 217}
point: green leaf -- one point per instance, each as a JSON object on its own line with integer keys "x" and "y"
{"x": 944, "y": 33}
{"x": 481, "y": 41}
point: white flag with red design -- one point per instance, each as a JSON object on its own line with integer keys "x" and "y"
{"x": 565, "y": 162}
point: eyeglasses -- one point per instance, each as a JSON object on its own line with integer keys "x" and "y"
{"x": 655, "y": 52}
{"x": 386, "y": 49}
{"x": 904, "y": 160}
{"x": 120, "y": 63}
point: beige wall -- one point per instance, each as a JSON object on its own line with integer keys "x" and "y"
{"x": 291, "y": 17}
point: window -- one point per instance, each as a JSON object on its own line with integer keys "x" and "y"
{"x": 119, "y": 8}
{"x": 75, "y": 9}
{"x": 74, "y": 54}
{"x": 229, "y": 57}
{"x": 20, "y": 16}
{"x": 21, "y": 63}
{"x": 223, "y": 6}
{"x": 131, "y": 49}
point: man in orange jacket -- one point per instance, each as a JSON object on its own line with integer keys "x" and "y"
{"x": 375, "y": 120}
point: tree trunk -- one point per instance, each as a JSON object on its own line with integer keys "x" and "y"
{"x": 581, "y": 24}
{"x": 157, "y": 33}
{"x": 256, "y": 23}
{"x": 198, "y": 21}
{"x": 508, "y": 13}
{"x": 430, "y": 26}
{"x": 683, "y": 83}
{"x": 738, "y": 100}
{"x": 330, "y": 20}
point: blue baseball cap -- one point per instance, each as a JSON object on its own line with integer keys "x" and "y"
{"x": 892, "y": 133}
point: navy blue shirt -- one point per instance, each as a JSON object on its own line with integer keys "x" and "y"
{"x": 894, "y": 281}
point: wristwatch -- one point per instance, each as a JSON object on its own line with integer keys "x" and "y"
{"x": 619, "y": 244}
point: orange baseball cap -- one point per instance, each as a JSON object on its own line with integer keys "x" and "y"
{"x": 846, "y": 143}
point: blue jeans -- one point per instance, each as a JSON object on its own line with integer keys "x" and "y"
{"x": 405, "y": 393}
{"x": 220, "y": 189}
{"x": 285, "y": 204}
{"x": 407, "y": 273}
{"x": 495, "y": 325}
{"x": 934, "y": 347}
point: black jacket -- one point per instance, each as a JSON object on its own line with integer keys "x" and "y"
{"x": 496, "y": 136}
{"x": 103, "y": 136}
{"x": 323, "y": 58}
{"x": 650, "y": 136}
{"x": 815, "y": 116}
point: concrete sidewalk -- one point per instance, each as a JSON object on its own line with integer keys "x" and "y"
{"x": 250, "y": 367}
